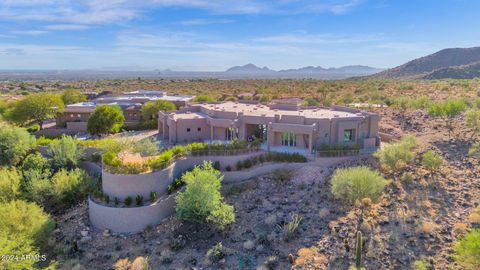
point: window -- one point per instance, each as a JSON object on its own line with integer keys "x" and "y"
{"x": 71, "y": 116}
{"x": 79, "y": 115}
{"x": 231, "y": 133}
{"x": 348, "y": 135}
{"x": 199, "y": 129}
{"x": 289, "y": 139}
{"x": 188, "y": 129}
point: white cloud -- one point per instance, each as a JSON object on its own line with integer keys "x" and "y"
{"x": 66, "y": 27}
{"x": 205, "y": 21}
{"x": 114, "y": 11}
{"x": 29, "y": 32}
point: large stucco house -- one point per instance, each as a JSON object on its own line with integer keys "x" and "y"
{"x": 75, "y": 116}
{"x": 283, "y": 124}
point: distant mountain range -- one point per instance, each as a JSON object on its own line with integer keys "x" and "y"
{"x": 305, "y": 72}
{"x": 453, "y": 63}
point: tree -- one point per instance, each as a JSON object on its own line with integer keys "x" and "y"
{"x": 472, "y": 119}
{"x": 447, "y": 110}
{"x": 150, "y": 111}
{"x": 106, "y": 119}
{"x": 71, "y": 96}
{"x": 36, "y": 108}
{"x": 431, "y": 160}
{"x": 467, "y": 250}
{"x": 15, "y": 143}
{"x": 353, "y": 184}
{"x": 10, "y": 182}
{"x": 201, "y": 201}
{"x": 66, "y": 153}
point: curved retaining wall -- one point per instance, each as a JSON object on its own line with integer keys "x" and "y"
{"x": 136, "y": 219}
{"x": 124, "y": 185}
{"x": 131, "y": 219}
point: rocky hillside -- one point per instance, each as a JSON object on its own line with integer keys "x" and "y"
{"x": 455, "y": 63}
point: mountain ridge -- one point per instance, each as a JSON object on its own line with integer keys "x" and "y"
{"x": 454, "y": 63}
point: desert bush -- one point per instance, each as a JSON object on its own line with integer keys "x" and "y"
{"x": 282, "y": 175}
{"x": 474, "y": 216}
{"x": 431, "y": 160}
{"x": 447, "y": 110}
{"x": 201, "y": 201}
{"x": 146, "y": 147}
{"x": 10, "y": 183}
{"x": 15, "y": 143}
{"x": 356, "y": 183}
{"x": 153, "y": 196}
{"x": 289, "y": 229}
{"x": 128, "y": 201}
{"x": 25, "y": 220}
{"x": 65, "y": 154}
{"x": 37, "y": 162}
{"x": 139, "y": 200}
{"x": 395, "y": 156}
{"x": 17, "y": 245}
{"x": 239, "y": 165}
{"x": 421, "y": 265}
{"x": 69, "y": 187}
{"x": 247, "y": 163}
{"x": 472, "y": 119}
{"x": 467, "y": 250}
{"x": 176, "y": 184}
{"x": 216, "y": 253}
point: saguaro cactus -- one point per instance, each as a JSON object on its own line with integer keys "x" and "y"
{"x": 358, "y": 251}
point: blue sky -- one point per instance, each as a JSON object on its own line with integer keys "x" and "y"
{"x": 210, "y": 35}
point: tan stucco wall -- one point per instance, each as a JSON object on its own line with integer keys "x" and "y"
{"x": 132, "y": 219}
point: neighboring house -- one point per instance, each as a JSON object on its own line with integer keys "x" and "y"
{"x": 282, "y": 124}
{"x": 75, "y": 116}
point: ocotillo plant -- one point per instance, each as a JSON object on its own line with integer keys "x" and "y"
{"x": 358, "y": 251}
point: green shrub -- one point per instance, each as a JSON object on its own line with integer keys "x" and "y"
{"x": 106, "y": 198}
{"x": 356, "y": 183}
{"x": 17, "y": 245}
{"x": 128, "y": 201}
{"x": 421, "y": 265}
{"x": 216, "y": 253}
{"x": 239, "y": 165}
{"x": 282, "y": 175}
{"x": 146, "y": 147}
{"x": 247, "y": 163}
{"x": 10, "y": 182}
{"x": 36, "y": 161}
{"x": 397, "y": 155}
{"x": 431, "y": 160}
{"x": 153, "y": 196}
{"x": 467, "y": 250}
{"x": 33, "y": 128}
{"x": 139, "y": 200}
{"x": 15, "y": 143}
{"x": 116, "y": 201}
{"x": 201, "y": 201}
{"x": 66, "y": 153}
{"x": 69, "y": 187}
{"x": 216, "y": 165}
{"x": 25, "y": 220}
{"x": 447, "y": 110}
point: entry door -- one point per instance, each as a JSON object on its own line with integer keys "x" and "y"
{"x": 289, "y": 139}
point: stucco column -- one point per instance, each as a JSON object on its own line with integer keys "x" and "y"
{"x": 310, "y": 142}
{"x": 211, "y": 132}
